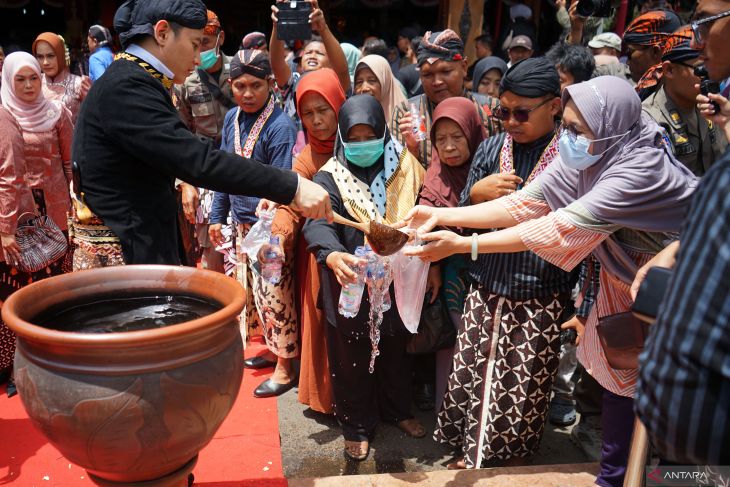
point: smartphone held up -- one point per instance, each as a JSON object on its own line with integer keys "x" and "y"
{"x": 293, "y": 21}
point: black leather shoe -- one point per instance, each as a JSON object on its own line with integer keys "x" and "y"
{"x": 269, "y": 388}
{"x": 258, "y": 363}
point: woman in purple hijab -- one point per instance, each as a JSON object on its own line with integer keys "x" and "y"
{"x": 617, "y": 193}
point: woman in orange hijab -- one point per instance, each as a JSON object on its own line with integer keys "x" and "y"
{"x": 58, "y": 82}
{"x": 319, "y": 98}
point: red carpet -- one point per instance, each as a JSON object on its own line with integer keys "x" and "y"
{"x": 244, "y": 453}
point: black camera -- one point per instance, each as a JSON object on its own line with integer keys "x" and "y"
{"x": 595, "y": 8}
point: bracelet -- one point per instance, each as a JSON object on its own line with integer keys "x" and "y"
{"x": 474, "y": 246}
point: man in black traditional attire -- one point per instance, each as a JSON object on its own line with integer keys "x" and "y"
{"x": 130, "y": 144}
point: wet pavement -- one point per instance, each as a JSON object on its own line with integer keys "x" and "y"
{"x": 312, "y": 444}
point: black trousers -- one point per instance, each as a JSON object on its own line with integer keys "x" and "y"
{"x": 361, "y": 398}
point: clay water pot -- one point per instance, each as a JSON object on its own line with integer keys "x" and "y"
{"x": 132, "y": 406}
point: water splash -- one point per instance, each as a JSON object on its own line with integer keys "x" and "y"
{"x": 378, "y": 278}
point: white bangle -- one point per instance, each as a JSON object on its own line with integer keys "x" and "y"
{"x": 474, "y": 246}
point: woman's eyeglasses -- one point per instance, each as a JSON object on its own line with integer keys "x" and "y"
{"x": 521, "y": 115}
{"x": 701, "y": 27}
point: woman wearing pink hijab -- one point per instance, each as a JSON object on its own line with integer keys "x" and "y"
{"x": 47, "y": 135}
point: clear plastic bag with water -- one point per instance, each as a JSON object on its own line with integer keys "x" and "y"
{"x": 410, "y": 276}
{"x": 259, "y": 235}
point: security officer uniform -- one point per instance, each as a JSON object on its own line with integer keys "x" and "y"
{"x": 696, "y": 142}
{"x": 203, "y": 101}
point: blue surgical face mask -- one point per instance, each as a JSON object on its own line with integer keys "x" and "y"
{"x": 574, "y": 150}
{"x": 364, "y": 154}
{"x": 210, "y": 57}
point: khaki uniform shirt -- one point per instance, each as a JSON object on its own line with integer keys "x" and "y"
{"x": 203, "y": 103}
{"x": 696, "y": 142}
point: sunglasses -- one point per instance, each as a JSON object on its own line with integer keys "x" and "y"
{"x": 701, "y": 27}
{"x": 521, "y": 115}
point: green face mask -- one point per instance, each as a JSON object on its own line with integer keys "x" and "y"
{"x": 364, "y": 154}
{"x": 210, "y": 57}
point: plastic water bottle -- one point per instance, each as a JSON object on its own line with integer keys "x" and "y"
{"x": 418, "y": 127}
{"x": 351, "y": 294}
{"x": 379, "y": 270}
{"x": 272, "y": 263}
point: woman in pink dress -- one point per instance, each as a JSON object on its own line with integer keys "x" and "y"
{"x": 58, "y": 82}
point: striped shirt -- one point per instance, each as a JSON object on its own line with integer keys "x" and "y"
{"x": 522, "y": 275}
{"x": 684, "y": 387}
{"x": 565, "y": 238}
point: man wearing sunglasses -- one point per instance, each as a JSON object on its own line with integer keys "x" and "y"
{"x": 695, "y": 142}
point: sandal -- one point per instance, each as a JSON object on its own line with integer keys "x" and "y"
{"x": 412, "y": 427}
{"x": 357, "y": 450}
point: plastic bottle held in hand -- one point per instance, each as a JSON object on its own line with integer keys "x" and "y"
{"x": 271, "y": 266}
{"x": 418, "y": 124}
{"x": 351, "y": 294}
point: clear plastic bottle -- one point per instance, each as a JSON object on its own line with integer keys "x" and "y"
{"x": 272, "y": 263}
{"x": 351, "y": 294}
{"x": 418, "y": 126}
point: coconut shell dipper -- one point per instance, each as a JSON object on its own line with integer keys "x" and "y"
{"x": 383, "y": 239}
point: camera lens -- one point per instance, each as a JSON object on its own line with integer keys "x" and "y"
{"x": 587, "y": 7}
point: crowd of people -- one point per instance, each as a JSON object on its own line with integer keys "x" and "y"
{"x": 543, "y": 188}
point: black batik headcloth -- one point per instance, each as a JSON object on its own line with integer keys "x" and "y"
{"x": 531, "y": 78}
{"x": 138, "y": 17}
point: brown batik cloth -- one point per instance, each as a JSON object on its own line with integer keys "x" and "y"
{"x": 277, "y": 312}
{"x": 503, "y": 369}
{"x": 249, "y": 319}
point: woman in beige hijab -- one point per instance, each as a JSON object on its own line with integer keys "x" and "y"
{"x": 374, "y": 77}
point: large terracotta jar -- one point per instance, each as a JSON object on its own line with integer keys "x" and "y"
{"x": 129, "y": 406}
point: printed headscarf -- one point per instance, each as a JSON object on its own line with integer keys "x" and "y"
{"x": 443, "y": 184}
{"x": 677, "y": 47}
{"x": 652, "y": 28}
{"x": 251, "y": 61}
{"x": 390, "y": 93}
{"x": 253, "y": 40}
{"x": 213, "y": 27}
{"x": 325, "y": 83}
{"x": 58, "y": 46}
{"x": 445, "y": 45}
{"x": 636, "y": 184}
{"x": 138, "y": 17}
{"x": 40, "y": 115}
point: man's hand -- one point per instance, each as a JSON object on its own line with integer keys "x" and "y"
{"x": 265, "y": 205}
{"x": 316, "y": 18}
{"x": 493, "y": 187}
{"x": 341, "y": 264}
{"x": 190, "y": 201}
{"x": 215, "y": 234}
{"x": 11, "y": 251}
{"x": 708, "y": 110}
{"x": 578, "y": 323}
{"x": 559, "y": 4}
{"x": 312, "y": 201}
{"x": 666, "y": 258}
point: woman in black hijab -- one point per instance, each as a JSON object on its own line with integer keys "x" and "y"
{"x": 371, "y": 177}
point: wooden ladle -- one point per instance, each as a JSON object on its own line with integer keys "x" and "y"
{"x": 383, "y": 239}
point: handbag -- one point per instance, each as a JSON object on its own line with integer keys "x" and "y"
{"x": 622, "y": 338}
{"x": 41, "y": 243}
{"x": 435, "y": 332}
